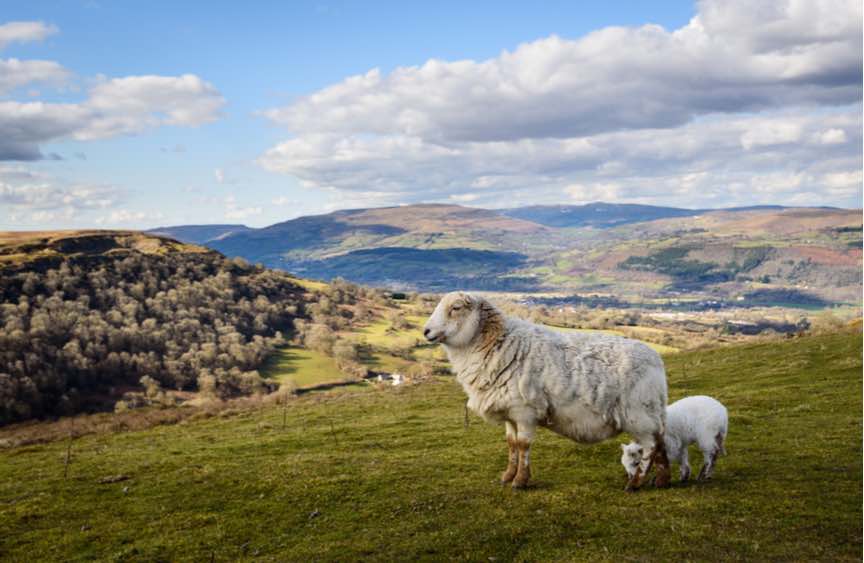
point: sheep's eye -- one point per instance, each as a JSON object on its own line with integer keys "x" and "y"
{"x": 455, "y": 308}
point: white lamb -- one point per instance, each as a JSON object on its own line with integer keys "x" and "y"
{"x": 700, "y": 420}
{"x": 585, "y": 386}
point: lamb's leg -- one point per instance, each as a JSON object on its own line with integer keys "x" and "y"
{"x": 513, "y": 456}
{"x": 705, "y": 472}
{"x": 684, "y": 460}
{"x": 524, "y": 437}
{"x": 710, "y": 454}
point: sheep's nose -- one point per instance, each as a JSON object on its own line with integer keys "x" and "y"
{"x": 426, "y": 332}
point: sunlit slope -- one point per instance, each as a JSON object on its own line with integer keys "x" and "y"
{"x": 395, "y": 475}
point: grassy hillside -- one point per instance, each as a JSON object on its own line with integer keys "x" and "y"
{"x": 394, "y": 475}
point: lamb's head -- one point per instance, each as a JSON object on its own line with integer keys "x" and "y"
{"x": 459, "y": 318}
{"x": 631, "y": 457}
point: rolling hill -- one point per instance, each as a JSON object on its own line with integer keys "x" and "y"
{"x": 598, "y": 215}
{"x": 199, "y": 234}
{"x": 89, "y": 317}
{"x": 632, "y": 251}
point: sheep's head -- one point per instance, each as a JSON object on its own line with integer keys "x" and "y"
{"x": 631, "y": 457}
{"x": 456, "y": 320}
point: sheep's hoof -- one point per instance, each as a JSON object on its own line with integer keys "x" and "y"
{"x": 508, "y": 476}
{"x": 662, "y": 481}
{"x": 521, "y": 481}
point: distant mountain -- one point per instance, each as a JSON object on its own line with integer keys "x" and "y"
{"x": 598, "y": 215}
{"x": 422, "y": 226}
{"x": 199, "y": 234}
{"x": 629, "y": 251}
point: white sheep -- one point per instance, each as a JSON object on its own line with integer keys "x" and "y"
{"x": 701, "y": 420}
{"x": 585, "y": 386}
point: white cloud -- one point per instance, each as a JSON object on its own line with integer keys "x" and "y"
{"x": 219, "y": 174}
{"x": 699, "y": 157}
{"x": 614, "y": 78}
{"x": 242, "y": 212}
{"x": 115, "y": 107}
{"x": 127, "y": 217}
{"x": 24, "y": 189}
{"x": 777, "y": 132}
{"x": 15, "y": 73}
{"x": 832, "y": 137}
{"x": 843, "y": 180}
{"x": 135, "y": 103}
{"x": 582, "y": 194}
{"x": 464, "y": 198}
{"x": 24, "y": 31}
{"x": 234, "y": 211}
{"x": 282, "y": 201}
{"x": 46, "y": 217}
{"x": 741, "y": 92}
{"x": 35, "y": 199}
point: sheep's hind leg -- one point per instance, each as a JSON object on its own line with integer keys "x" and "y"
{"x": 513, "y": 454}
{"x": 524, "y": 437}
{"x": 710, "y": 455}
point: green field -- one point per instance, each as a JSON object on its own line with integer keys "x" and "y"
{"x": 394, "y": 475}
{"x": 376, "y": 333}
{"x": 303, "y": 367}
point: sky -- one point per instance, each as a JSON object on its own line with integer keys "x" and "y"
{"x": 137, "y": 114}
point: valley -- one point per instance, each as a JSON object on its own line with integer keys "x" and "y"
{"x": 638, "y": 254}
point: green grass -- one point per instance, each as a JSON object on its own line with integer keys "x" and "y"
{"x": 394, "y": 475}
{"x": 306, "y": 368}
{"x": 389, "y": 363}
{"x": 310, "y": 285}
{"x": 376, "y": 333}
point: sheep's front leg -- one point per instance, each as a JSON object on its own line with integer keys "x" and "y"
{"x": 661, "y": 463}
{"x": 524, "y": 437}
{"x": 513, "y": 455}
{"x": 654, "y": 449}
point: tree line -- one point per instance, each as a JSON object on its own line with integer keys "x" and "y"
{"x": 92, "y": 327}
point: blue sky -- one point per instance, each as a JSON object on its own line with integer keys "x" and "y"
{"x": 271, "y": 126}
